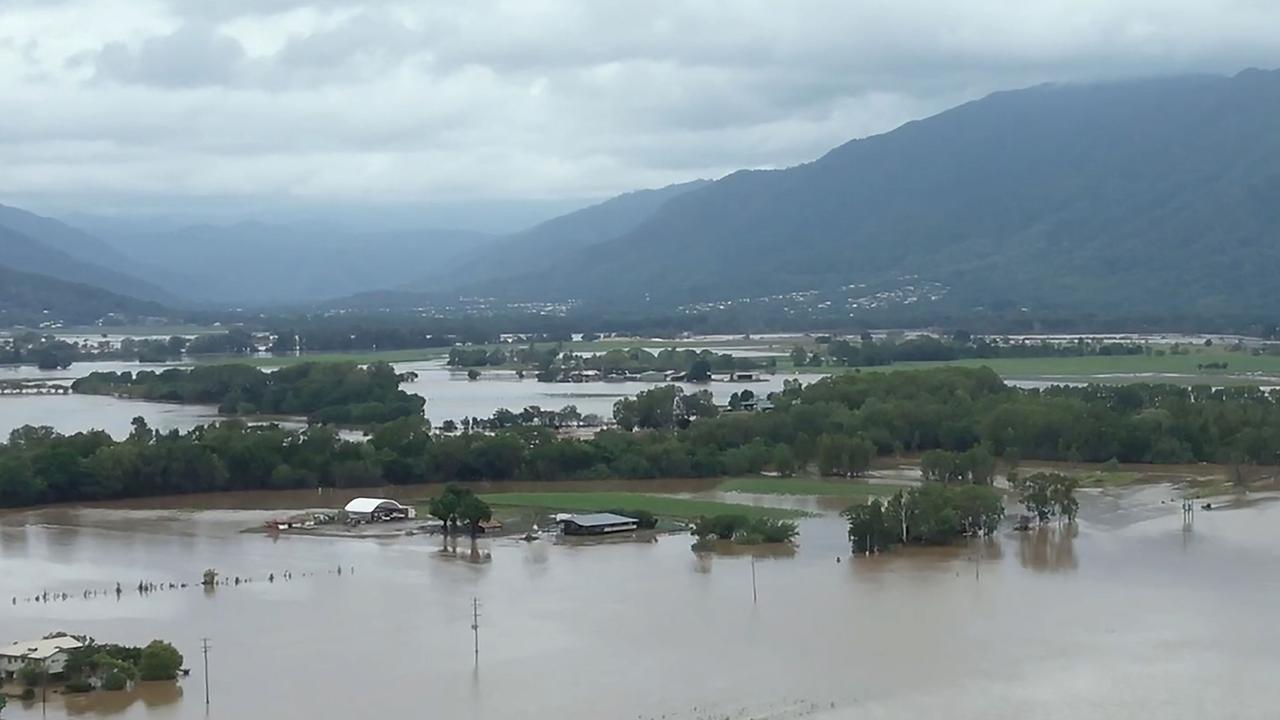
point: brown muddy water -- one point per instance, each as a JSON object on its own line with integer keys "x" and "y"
{"x": 1127, "y": 616}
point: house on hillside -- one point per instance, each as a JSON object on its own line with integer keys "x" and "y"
{"x": 49, "y": 654}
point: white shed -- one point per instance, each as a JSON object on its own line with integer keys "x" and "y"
{"x": 372, "y": 509}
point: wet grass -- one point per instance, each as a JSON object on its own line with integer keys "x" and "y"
{"x": 762, "y": 485}
{"x": 360, "y": 358}
{"x": 1242, "y": 368}
{"x": 660, "y": 505}
{"x": 1113, "y": 478}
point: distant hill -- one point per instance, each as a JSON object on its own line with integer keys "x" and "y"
{"x": 1151, "y": 194}
{"x": 544, "y": 245}
{"x": 55, "y": 252}
{"x": 61, "y": 236}
{"x": 29, "y": 299}
{"x": 252, "y": 264}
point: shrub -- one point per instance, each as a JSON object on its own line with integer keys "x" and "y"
{"x": 30, "y": 674}
{"x": 115, "y": 681}
{"x": 28, "y": 694}
{"x": 79, "y": 685}
{"x": 159, "y": 661}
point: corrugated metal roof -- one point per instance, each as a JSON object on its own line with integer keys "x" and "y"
{"x": 40, "y": 649}
{"x": 595, "y": 519}
{"x": 368, "y": 505}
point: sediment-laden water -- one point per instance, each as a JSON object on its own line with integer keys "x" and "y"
{"x": 1127, "y": 616}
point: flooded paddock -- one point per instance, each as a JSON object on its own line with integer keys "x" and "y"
{"x": 1129, "y": 615}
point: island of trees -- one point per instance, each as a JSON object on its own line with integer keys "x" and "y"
{"x": 836, "y": 425}
{"x": 342, "y": 393}
{"x": 553, "y": 364}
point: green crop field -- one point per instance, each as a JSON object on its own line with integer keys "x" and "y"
{"x": 804, "y": 486}
{"x": 660, "y": 505}
{"x": 361, "y": 358}
{"x": 1242, "y": 368}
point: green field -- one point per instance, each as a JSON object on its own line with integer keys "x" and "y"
{"x": 804, "y": 486}
{"x": 361, "y": 358}
{"x": 1242, "y": 368}
{"x": 660, "y": 505}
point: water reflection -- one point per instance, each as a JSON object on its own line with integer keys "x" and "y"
{"x": 148, "y": 694}
{"x": 468, "y": 550}
{"x": 1049, "y": 548}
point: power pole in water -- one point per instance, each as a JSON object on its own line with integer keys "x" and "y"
{"x": 204, "y": 649}
{"x": 475, "y": 625}
{"x": 755, "y": 598}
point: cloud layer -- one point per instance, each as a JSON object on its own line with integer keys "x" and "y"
{"x": 113, "y": 102}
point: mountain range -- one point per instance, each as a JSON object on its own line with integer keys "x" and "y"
{"x": 1142, "y": 194}
{"x": 1156, "y": 194}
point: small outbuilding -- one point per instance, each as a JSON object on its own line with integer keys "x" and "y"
{"x": 596, "y": 524}
{"x": 364, "y": 509}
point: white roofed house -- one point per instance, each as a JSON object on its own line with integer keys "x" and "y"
{"x": 48, "y": 654}
{"x": 364, "y": 509}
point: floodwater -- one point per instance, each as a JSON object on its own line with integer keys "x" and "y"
{"x": 1128, "y": 616}
{"x": 449, "y": 394}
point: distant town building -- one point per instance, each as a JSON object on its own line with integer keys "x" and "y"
{"x": 596, "y": 524}
{"x": 50, "y": 655}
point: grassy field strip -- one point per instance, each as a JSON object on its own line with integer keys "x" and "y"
{"x": 1241, "y": 368}
{"x": 360, "y": 358}
{"x": 805, "y": 486}
{"x": 660, "y": 505}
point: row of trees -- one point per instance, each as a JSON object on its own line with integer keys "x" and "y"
{"x": 48, "y": 352}
{"x": 836, "y": 423}
{"x": 867, "y": 351}
{"x": 551, "y": 364}
{"x": 745, "y": 530}
{"x": 342, "y": 393}
{"x": 932, "y": 514}
{"x": 458, "y": 504}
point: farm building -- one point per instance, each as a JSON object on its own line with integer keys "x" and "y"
{"x": 364, "y": 509}
{"x": 49, "y": 654}
{"x": 596, "y": 524}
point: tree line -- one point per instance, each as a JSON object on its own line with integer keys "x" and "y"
{"x": 836, "y": 424}
{"x": 552, "y": 364}
{"x": 866, "y": 351}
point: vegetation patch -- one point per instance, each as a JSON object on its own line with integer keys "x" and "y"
{"x": 659, "y": 505}
{"x": 327, "y": 393}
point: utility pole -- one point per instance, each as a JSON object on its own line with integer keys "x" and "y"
{"x": 204, "y": 648}
{"x": 755, "y": 598}
{"x": 475, "y": 625}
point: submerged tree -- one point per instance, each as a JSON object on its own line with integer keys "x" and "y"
{"x": 1047, "y": 495}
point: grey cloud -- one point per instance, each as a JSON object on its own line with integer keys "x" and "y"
{"x": 543, "y": 98}
{"x": 193, "y": 56}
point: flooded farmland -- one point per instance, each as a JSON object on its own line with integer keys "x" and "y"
{"x": 449, "y": 394}
{"x": 1127, "y": 616}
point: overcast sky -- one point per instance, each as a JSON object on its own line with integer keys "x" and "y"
{"x": 120, "y": 105}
